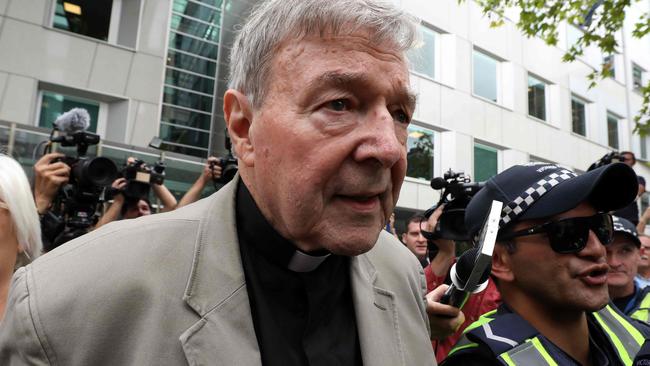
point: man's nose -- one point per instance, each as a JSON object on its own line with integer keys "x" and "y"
{"x": 594, "y": 247}
{"x": 380, "y": 142}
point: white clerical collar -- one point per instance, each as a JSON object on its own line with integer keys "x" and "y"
{"x": 302, "y": 262}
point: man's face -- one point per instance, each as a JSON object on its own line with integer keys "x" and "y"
{"x": 329, "y": 142}
{"x": 623, "y": 261}
{"x": 414, "y": 240}
{"x": 141, "y": 209}
{"x": 576, "y": 282}
{"x": 644, "y": 261}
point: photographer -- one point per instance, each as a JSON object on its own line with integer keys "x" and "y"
{"x": 49, "y": 176}
{"x": 211, "y": 172}
{"x": 124, "y": 207}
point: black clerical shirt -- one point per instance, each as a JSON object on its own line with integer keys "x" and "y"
{"x": 300, "y": 318}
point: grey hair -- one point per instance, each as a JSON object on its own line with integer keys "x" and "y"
{"x": 275, "y": 21}
{"x": 16, "y": 193}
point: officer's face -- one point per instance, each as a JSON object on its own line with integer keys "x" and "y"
{"x": 623, "y": 261}
{"x": 561, "y": 282}
{"x": 327, "y": 151}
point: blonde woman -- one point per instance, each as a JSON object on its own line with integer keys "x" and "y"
{"x": 20, "y": 232}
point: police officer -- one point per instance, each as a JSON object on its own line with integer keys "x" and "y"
{"x": 623, "y": 260}
{"x": 550, "y": 267}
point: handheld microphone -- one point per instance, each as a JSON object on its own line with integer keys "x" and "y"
{"x": 471, "y": 272}
{"x": 74, "y": 120}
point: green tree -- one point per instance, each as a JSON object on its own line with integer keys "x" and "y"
{"x": 600, "y": 21}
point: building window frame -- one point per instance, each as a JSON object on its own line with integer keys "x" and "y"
{"x": 498, "y": 98}
{"x": 585, "y": 105}
{"x": 611, "y": 61}
{"x": 638, "y": 74}
{"x": 546, "y": 84}
{"x": 434, "y": 138}
{"x": 102, "y": 114}
{"x": 486, "y": 147}
{"x": 435, "y": 35}
{"x": 613, "y": 136}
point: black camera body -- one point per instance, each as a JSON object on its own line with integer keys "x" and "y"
{"x": 74, "y": 207}
{"x": 458, "y": 190}
{"x": 228, "y": 166}
{"x": 140, "y": 177}
{"x": 609, "y": 158}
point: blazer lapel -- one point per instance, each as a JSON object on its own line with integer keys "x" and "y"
{"x": 216, "y": 291}
{"x": 376, "y": 316}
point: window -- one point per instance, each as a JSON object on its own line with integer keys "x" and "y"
{"x": 90, "y": 18}
{"x": 54, "y": 104}
{"x": 612, "y": 130}
{"x": 578, "y": 116}
{"x": 637, "y": 77}
{"x": 643, "y": 147}
{"x": 536, "y": 98}
{"x": 419, "y": 153}
{"x": 485, "y": 76}
{"x": 423, "y": 56}
{"x": 190, "y": 76}
{"x": 608, "y": 63}
{"x": 485, "y": 162}
{"x": 113, "y": 21}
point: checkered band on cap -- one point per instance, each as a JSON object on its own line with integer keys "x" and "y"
{"x": 515, "y": 208}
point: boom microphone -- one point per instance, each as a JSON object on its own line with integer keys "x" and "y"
{"x": 470, "y": 273}
{"x": 74, "y": 120}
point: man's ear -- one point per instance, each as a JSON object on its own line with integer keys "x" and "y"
{"x": 501, "y": 264}
{"x": 239, "y": 117}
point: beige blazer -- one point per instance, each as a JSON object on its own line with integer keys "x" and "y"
{"x": 169, "y": 289}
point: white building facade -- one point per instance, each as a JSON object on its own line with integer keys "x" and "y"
{"x": 488, "y": 97}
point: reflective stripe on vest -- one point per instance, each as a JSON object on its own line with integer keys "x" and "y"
{"x": 627, "y": 340}
{"x": 530, "y": 353}
{"x": 643, "y": 312}
{"x": 463, "y": 343}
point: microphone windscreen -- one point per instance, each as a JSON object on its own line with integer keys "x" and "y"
{"x": 76, "y": 119}
{"x": 438, "y": 183}
{"x": 465, "y": 265}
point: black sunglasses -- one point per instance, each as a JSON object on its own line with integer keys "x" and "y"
{"x": 570, "y": 235}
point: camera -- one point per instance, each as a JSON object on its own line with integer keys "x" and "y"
{"x": 609, "y": 158}
{"x": 228, "y": 165}
{"x": 140, "y": 177}
{"x": 74, "y": 207}
{"x": 458, "y": 190}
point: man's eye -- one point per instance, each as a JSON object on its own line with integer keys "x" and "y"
{"x": 338, "y": 105}
{"x": 401, "y": 116}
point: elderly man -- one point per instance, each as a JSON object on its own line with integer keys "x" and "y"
{"x": 286, "y": 265}
{"x": 550, "y": 266}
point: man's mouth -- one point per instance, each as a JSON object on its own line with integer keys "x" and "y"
{"x": 361, "y": 202}
{"x": 595, "y": 276}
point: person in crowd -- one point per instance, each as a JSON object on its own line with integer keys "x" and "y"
{"x": 390, "y": 226}
{"x": 211, "y": 171}
{"x": 20, "y": 232}
{"x": 437, "y": 273}
{"x": 49, "y": 176}
{"x": 131, "y": 208}
{"x": 631, "y": 211}
{"x": 415, "y": 241}
{"x": 623, "y": 260}
{"x": 643, "y": 273}
{"x": 288, "y": 264}
{"x": 550, "y": 267}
